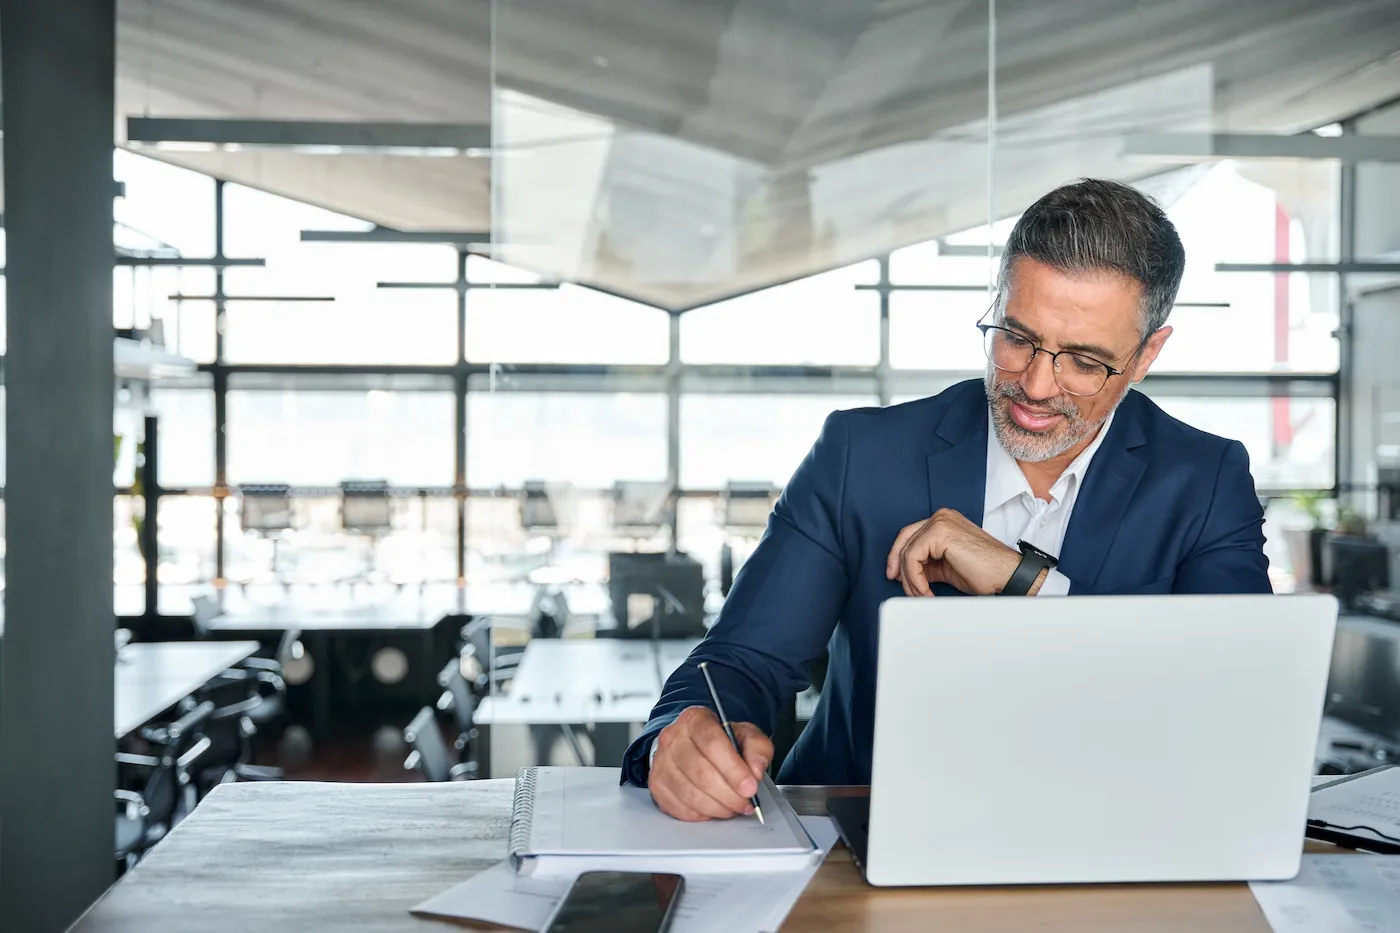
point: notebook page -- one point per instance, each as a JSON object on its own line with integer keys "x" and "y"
{"x": 585, "y": 811}
{"x": 1372, "y": 801}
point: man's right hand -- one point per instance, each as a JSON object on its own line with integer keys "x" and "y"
{"x": 696, "y": 775}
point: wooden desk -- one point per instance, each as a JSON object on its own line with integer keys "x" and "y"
{"x": 153, "y": 676}
{"x": 332, "y": 857}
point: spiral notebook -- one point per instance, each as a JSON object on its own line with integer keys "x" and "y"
{"x": 572, "y": 819}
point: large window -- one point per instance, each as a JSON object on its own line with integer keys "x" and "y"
{"x": 751, "y": 438}
{"x": 821, "y": 320}
{"x": 323, "y": 436}
{"x": 568, "y": 324}
{"x": 937, "y": 330}
{"x": 1291, "y": 441}
{"x": 373, "y": 326}
{"x": 587, "y": 439}
{"x": 567, "y": 385}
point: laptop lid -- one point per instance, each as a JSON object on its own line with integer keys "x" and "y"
{"x": 1095, "y": 739}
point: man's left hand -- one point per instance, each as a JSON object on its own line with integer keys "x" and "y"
{"x": 948, "y": 548}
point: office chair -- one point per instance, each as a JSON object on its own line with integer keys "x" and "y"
{"x": 744, "y": 511}
{"x": 230, "y": 729}
{"x": 166, "y": 793}
{"x": 537, "y": 508}
{"x": 267, "y": 511}
{"x": 266, "y": 672}
{"x": 430, "y": 755}
{"x": 458, "y": 698}
{"x": 498, "y": 664}
{"x": 640, "y": 509}
{"x": 132, "y": 816}
{"x": 366, "y": 510}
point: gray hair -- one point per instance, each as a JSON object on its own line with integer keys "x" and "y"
{"x": 1098, "y": 225}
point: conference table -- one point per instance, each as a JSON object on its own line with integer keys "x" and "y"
{"x": 151, "y": 677}
{"x": 322, "y": 858}
{"x": 586, "y": 680}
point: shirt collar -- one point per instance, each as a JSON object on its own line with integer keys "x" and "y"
{"x": 1005, "y": 481}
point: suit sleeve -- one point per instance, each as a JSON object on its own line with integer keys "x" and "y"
{"x": 1228, "y": 557}
{"x": 781, "y": 611}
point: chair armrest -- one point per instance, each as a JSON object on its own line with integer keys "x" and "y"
{"x": 261, "y": 664}
{"x": 137, "y": 761}
{"x": 193, "y": 753}
{"x": 272, "y": 679}
{"x": 132, "y": 803}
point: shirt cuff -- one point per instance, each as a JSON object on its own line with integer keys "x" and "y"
{"x": 1056, "y": 584}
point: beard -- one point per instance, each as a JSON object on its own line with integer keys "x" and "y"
{"x": 1038, "y": 446}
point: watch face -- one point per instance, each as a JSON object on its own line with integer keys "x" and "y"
{"x": 1028, "y": 548}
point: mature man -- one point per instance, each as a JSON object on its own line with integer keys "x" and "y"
{"x": 1051, "y": 477}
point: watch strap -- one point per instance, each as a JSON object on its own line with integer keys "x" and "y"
{"x": 1033, "y": 561}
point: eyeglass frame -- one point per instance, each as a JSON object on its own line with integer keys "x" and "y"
{"x": 1054, "y": 357}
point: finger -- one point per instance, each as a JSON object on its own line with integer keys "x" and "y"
{"x": 670, "y": 804}
{"x": 757, "y": 748}
{"x": 695, "y": 796}
{"x": 703, "y": 786}
{"x": 900, "y": 540}
{"x": 728, "y": 768}
{"x": 919, "y": 551}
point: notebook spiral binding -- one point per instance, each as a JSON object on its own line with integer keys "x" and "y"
{"x": 522, "y": 815}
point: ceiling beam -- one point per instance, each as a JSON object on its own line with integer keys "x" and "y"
{"x": 1205, "y": 147}
{"x": 318, "y": 136}
{"x": 389, "y": 235}
{"x": 185, "y": 261}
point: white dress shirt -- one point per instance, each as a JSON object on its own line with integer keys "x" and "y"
{"x": 1011, "y": 512}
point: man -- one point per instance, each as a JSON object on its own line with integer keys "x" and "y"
{"x": 935, "y": 497}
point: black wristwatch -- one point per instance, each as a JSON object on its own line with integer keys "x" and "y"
{"x": 1033, "y": 561}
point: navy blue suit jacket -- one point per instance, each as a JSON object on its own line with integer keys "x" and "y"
{"x": 1164, "y": 508}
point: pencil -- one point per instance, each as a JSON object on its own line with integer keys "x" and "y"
{"x": 728, "y": 730}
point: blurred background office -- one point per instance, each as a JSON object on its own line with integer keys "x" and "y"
{"x": 461, "y": 349}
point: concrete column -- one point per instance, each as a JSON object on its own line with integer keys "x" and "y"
{"x": 56, "y": 744}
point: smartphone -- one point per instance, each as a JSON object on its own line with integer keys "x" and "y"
{"x": 618, "y": 902}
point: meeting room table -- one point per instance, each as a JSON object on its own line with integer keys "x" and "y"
{"x": 151, "y": 677}
{"x": 325, "y": 858}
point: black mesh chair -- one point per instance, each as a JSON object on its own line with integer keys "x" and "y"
{"x": 430, "y": 754}
{"x": 166, "y": 792}
{"x": 230, "y": 729}
{"x": 459, "y": 699}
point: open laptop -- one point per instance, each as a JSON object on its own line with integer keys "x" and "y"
{"x": 1095, "y": 739}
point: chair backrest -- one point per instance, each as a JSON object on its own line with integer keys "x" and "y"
{"x": 162, "y": 790}
{"x": 203, "y": 611}
{"x": 430, "y": 751}
{"x": 463, "y": 700}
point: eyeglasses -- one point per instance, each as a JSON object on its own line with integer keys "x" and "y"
{"x": 1075, "y": 373}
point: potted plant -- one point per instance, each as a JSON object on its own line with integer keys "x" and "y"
{"x": 1311, "y": 504}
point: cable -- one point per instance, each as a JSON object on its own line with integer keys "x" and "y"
{"x": 1323, "y": 824}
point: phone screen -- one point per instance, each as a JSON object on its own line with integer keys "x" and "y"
{"x": 617, "y": 902}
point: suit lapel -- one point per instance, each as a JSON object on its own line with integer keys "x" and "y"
{"x": 1102, "y": 503}
{"x": 957, "y": 469}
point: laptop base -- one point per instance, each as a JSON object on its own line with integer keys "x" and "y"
{"x": 852, "y": 818}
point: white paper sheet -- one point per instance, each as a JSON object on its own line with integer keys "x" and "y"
{"x": 1335, "y": 894}
{"x": 711, "y": 903}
